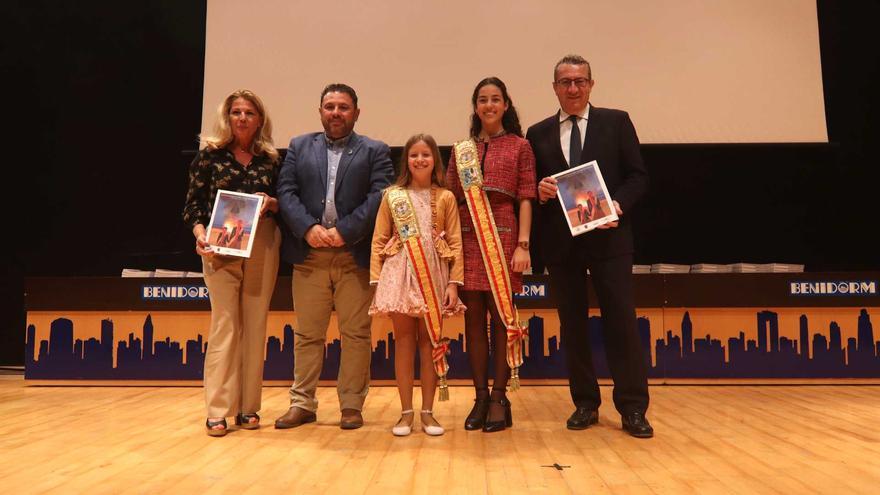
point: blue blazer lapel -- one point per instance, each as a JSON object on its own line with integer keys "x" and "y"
{"x": 351, "y": 149}
{"x": 319, "y": 148}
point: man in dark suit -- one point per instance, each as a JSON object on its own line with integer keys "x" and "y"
{"x": 329, "y": 189}
{"x": 580, "y": 133}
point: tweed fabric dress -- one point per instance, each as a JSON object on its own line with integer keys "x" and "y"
{"x": 508, "y": 177}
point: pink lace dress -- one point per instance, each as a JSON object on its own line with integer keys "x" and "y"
{"x": 398, "y": 288}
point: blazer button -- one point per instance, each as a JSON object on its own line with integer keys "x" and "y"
{"x": 322, "y": 201}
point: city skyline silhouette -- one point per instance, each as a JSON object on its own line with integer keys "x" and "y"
{"x": 681, "y": 355}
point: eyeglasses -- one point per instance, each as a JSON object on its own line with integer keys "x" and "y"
{"x": 243, "y": 115}
{"x": 580, "y": 82}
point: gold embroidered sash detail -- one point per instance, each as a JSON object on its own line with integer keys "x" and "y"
{"x": 467, "y": 161}
{"x": 407, "y": 225}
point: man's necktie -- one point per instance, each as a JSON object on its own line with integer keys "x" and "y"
{"x": 574, "y": 147}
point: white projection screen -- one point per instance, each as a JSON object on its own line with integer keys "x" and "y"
{"x": 688, "y": 71}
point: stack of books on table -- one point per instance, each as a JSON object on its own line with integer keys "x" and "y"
{"x": 641, "y": 269}
{"x": 159, "y": 273}
{"x": 744, "y": 268}
{"x": 711, "y": 268}
{"x": 669, "y": 268}
{"x": 163, "y": 273}
{"x": 134, "y": 273}
{"x": 780, "y": 268}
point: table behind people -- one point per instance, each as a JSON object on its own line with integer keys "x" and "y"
{"x": 329, "y": 189}
{"x": 576, "y": 134}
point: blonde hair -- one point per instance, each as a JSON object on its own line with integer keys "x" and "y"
{"x": 222, "y": 134}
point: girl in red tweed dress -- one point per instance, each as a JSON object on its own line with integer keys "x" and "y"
{"x": 508, "y": 166}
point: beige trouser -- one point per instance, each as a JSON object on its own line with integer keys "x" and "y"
{"x": 330, "y": 277}
{"x": 240, "y": 291}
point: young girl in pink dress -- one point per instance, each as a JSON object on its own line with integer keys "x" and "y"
{"x": 397, "y": 290}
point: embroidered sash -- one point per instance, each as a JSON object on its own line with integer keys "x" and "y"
{"x": 407, "y": 225}
{"x": 466, "y": 159}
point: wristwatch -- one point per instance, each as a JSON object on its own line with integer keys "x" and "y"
{"x": 523, "y": 244}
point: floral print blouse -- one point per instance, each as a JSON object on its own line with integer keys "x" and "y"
{"x": 218, "y": 169}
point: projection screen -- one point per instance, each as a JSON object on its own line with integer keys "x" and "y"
{"x": 687, "y": 71}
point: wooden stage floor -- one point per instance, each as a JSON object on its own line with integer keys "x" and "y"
{"x": 709, "y": 439}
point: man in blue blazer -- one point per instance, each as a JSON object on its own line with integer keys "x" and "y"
{"x": 329, "y": 189}
{"x": 576, "y": 134}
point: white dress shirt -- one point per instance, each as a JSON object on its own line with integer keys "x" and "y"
{"x": 565, "y": 132}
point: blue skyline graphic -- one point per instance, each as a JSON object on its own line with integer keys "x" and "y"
{"x": 818, "y": 355}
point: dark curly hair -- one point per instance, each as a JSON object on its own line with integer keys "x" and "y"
{"x": 510, "y": 119}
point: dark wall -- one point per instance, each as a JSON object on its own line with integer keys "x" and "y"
{"x": 108, "y": 94}
{"x": 851, "y": 76}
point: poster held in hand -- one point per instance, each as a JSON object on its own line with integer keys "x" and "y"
{"x": 584, "y": 198}
{"x": 234, "y": 223}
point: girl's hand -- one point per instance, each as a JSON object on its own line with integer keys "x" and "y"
{"x": 521, "y": 260}
{"x": 450, "y": 299}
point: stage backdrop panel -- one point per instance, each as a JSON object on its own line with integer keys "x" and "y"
{"x": 688, "y": 71}
{"x": 691, "y": 326}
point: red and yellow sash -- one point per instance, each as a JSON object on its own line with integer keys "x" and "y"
{"x": 466, "y": 159}
{"x": 407, "y": 225}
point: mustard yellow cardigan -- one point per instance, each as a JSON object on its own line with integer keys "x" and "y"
{"x": 446, "y": 236}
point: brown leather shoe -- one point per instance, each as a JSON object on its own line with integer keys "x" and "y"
{"x": 351, "y": 419}
{"x": 294, "y": 417}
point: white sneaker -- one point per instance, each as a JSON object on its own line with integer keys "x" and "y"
{"x": 433, "y": 430}
{"x": 402, "y": 429}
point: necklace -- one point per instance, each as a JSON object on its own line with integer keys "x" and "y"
{"x": 486, "y": 137}
{"x": 236, "y": 148}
